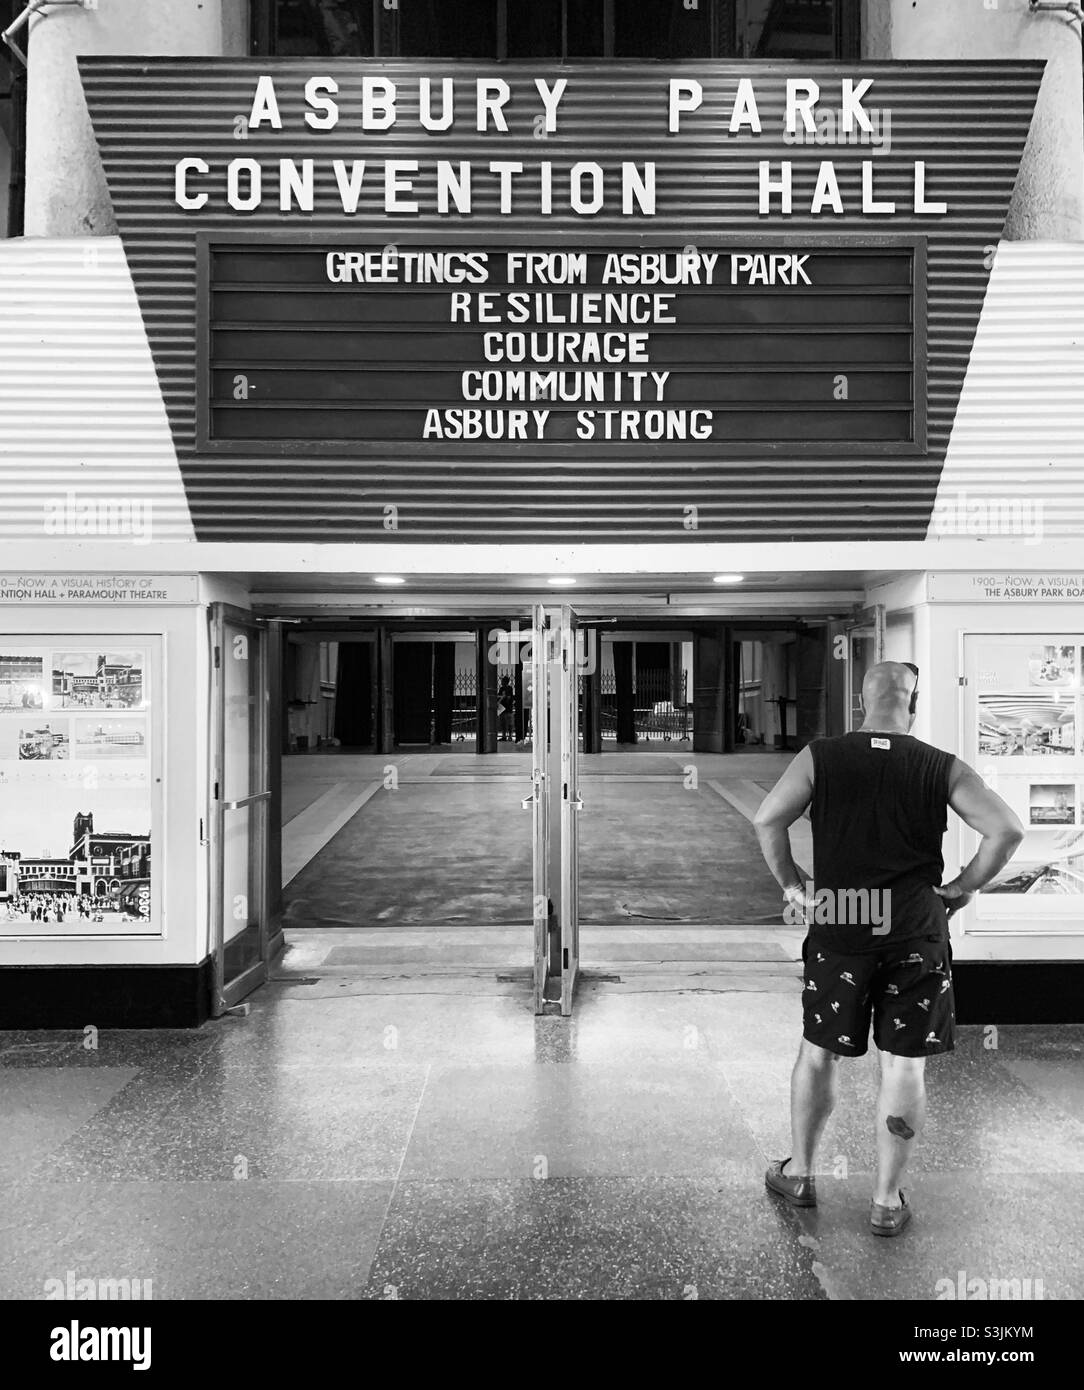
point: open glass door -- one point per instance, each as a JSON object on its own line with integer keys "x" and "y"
{"x": 565, "y": 695}
{"x": 240, "y": 804}
{"x": 865, "y": 648}
{"x": 539, "y": 804}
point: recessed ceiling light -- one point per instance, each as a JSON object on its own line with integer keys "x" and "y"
{"x": 728, "y": 578}
{"x": 388, "y": 579}
{"x": 561, "y": 581}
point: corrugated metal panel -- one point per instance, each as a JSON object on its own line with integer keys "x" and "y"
{"x": 969, "y": 121}
{"x": 1016, "y": 457}
{"x": 85, "y": 445}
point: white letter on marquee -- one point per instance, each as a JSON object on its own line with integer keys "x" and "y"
{"x": 827, "y": 190}
{"x": 425, "y": 102}
{"x": 394, "y": 185}
{"x": 349, "y": 184}
{"x": 869, "y": 203}
{"x": 921, "y": 204}
{"x": 295, "y": 184}
{"x": 550, "y": 100}
{"x": 782, "y": 186}
{"x": 685, "y": 95}
{"x": 265, "y": 105}
{"x": 802, "y": 95}
{"x": 852, "y": 105}
{"x": 745, "y": 109}
{"x": 491, "y": 95}
{"x": 576, "y": 177}
{"x": 189, "y": 201}
{"x": 504, "y": 169}
{"x": 640, "y": 188}
{"x": 325, "y": 112}
{"x": 377, "y": 103}
{"x": 233, "y": 185}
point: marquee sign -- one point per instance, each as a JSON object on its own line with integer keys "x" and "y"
{"x": 328, "y": 347}
{"x": 533, "y": 301}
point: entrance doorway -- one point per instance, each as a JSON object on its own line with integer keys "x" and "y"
{"x": 705, "y": 718}
{"x": 329, "y": 691}
{"x": 436, "y": 692}
{"x": 644, "y": 690}
{"x": 597, "y": 813}
{"x": 423, "y": 694}
{"x": 414, "y": 859}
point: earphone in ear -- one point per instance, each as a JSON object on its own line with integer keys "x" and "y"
{"x": 914, "y": 693}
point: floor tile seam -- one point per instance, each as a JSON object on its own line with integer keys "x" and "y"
{"x": 402, "y": 1159}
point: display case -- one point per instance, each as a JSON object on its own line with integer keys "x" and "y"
{"x": 79, "y": 785}
{"x": 1022, "y": 730}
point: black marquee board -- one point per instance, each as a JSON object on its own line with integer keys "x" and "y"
{"x": 325, "y": 346}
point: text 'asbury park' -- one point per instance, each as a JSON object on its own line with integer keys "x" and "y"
{"x": 489, "y": 108}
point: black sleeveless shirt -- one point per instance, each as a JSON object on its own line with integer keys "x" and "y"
{"x": 879, "y": 813}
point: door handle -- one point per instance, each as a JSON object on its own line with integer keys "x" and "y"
{"x": 246, "y": 801}
{"x": 537, "y": 778}
{"x": 576, "y": 803}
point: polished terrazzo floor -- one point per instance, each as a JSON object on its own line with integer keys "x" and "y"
{"x": 354, "y": 1144}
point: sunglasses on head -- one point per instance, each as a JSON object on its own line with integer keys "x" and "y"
{"x": 914, "y": 693}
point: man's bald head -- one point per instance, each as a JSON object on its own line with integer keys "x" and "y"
{"x": 887, "y": 690}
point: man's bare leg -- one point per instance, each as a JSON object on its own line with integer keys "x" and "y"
{"x": 814, "y": 1087}
{"x": 901, "y": 1112}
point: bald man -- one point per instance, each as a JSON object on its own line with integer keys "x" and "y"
{"x": 876, "y": 917}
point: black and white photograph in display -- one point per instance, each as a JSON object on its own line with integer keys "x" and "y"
{"x": 44, "y": 740}
{"x": 1054, "y": 665}
{"x": 110, "y": 738}
{"x": 91, "y": 679}
{"x": 1050, "y": 864}
{"x": 1052, "y": 803}
{"x": 77, "y": 860}
{"x": 1027, "y": 725}
{"x": 22, "y": 681}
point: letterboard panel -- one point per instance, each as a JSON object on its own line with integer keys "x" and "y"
{"x": 329, "y": 346}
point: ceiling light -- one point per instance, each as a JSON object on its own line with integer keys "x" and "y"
{"x": 561, "y": 581}
{"x": 388, "y": 579}
{"x": 728, "y": 579}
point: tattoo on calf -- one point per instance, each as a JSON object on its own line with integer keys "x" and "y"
{"x": 898, "y": 1126}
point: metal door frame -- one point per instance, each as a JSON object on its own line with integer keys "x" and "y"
{"x": 869, "y": 620}
{"x": 538, "y": 802}
{"x": 566, "y": 670}
{"x": 225, "y": 996}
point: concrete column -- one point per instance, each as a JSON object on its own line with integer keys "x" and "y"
{"x": 1048, "y": 204}
{"x": 66, "y": 194}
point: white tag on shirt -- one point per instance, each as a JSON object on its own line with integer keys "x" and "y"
{"x": 880, "y": 743}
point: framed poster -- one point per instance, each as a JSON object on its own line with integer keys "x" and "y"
{"x": 1024, "y": 732}
{"x": 79, "y": 785}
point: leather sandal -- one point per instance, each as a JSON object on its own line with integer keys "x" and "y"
{"x": 799, "y": 1192}
{"x": 889, "y": 1221}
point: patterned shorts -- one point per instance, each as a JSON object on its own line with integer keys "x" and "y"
{"x": 906, "y": 990}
